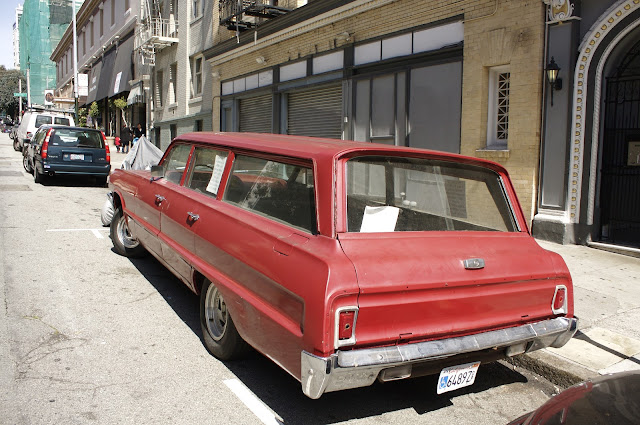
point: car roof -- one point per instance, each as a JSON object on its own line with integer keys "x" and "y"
{"x": 320, "y": 149}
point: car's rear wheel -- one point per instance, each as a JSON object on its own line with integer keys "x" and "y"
{"x": 16, "y": 145}
{"x": 219, "y": 333}
{"x": 123, "y": 242}
{"x": 25, "y": 162}
{"x": 38, "y": 177}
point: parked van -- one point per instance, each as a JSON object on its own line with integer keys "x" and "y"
{"x": 31, "y": 122}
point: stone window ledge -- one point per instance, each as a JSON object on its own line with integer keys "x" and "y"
{"x": 489, "y": 153}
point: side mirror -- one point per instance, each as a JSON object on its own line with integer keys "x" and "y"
{"x": 157, "y": 172}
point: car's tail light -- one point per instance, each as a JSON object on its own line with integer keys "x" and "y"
{"x": 346, "y": 326}
{"x": 29, "y": 134}
{"x": 106, "y": 145}
{"x": 559, "y": 303}
{"x": 45, "y": 144}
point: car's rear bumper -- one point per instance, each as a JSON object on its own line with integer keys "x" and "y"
{"x": 80, "y": 169}
{"x": 361, "y": 367}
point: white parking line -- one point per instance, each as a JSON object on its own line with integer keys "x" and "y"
{"x": 253, "y": 403}
{"x": 96, "y": 232}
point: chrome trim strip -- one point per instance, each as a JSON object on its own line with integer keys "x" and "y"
{"x": 360, "y": 368}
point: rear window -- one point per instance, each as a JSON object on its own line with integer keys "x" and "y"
{"x": 77, "y": 138}
{"x": 394, "y": 194}
{"x": 42, "y": 119}
{"x": 61, "y": 121}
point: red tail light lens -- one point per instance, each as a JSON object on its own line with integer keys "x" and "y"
{"x": 45, "y": 144}
{"x": 106, "y": 146}
{"x": 345, "y": 324}
{"x": 559, "y": 305}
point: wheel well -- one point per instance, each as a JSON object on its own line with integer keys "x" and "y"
{"x": 198, "y": 281}
{"x": 117, "y": 203}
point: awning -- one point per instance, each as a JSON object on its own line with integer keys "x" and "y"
{"x": 94, "y": 78}
{"x": 122, "y": 69}
{"x": 135, "y": 95}
{"x": 104, "y": 85}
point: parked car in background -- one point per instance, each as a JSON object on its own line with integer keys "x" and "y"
{"x": 612, "y": 399}
{"x": 33, "y": 119}
{"x": 346, "y": 262}
{"x": 61, "y": 150}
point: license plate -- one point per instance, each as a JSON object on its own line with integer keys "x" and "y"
{"x": 452, "y": 378}
{"x": 76, "y": 157}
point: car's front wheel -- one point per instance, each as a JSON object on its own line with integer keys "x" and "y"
{"x": 218, "y": 330}
{"x": 16, "y": 145}
{"x": 123, "y": 242}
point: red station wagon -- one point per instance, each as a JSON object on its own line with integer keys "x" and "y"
{"x": 346, "y": 262}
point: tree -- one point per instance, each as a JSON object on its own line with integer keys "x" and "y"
{"x": 82, "y": 117}
{"x": 122, "y": 105}
{"x": 8, "y": 86}
{"x": 94, "y": 111}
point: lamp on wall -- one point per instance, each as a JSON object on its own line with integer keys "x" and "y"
{"x": 552, "y": 75}
{"x": 261, "y": 60}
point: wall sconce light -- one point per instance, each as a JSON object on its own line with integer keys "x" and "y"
{"x": 344, "y": 36}
{"x": 215, "y": 75}
{"x": 552, "y": 75}
{"x": 261, "y": 60}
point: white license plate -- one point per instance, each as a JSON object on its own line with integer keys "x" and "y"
{"x": 76, "y": 156}
{"x": 455, "y": 377}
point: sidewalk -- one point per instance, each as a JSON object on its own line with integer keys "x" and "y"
{"x": 607, "y": 302}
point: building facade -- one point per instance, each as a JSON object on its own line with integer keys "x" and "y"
{"x": 16, "y": 37}
{"x": 105, "y": 41}
{"x": 458, "y": 76}
{"x": 180, "y": 77}
{"x": 589, "y": 189}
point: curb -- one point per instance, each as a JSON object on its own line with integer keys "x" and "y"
{"x": 557, "y": 370}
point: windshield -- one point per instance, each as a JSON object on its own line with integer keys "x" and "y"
{"x": 396, "y": 194}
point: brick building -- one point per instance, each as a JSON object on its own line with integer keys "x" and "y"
{"x": 458, "y": 76}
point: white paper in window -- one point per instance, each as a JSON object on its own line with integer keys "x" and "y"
{"x": 379, "y": 219}
{"x": 216, "y": 176}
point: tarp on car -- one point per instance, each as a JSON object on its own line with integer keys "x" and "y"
{"x": 142, "y": 156}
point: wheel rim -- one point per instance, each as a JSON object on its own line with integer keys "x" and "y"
{"x": 124, "y": 236}
{"x": 215, "y": 313}
{"x": 25, "y": 163}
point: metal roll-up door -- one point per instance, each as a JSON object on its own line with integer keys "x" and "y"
{"x": 316, "y": 112}
{"x": 255, "y": 114}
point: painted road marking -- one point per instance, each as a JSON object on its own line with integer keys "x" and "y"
{"x": 253, "y": 403}
{"x": 96, "y": 232}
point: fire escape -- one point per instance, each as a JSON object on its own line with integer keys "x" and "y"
{"x": 156, "y": 30}
{"x": 240, "y": 15}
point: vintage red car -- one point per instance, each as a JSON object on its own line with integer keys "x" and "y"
{"x": 346, "y": 262}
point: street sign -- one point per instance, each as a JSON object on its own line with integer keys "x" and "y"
{"x": 19, "y": 95}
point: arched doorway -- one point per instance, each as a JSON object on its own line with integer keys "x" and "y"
{"x": 619, "y": 153}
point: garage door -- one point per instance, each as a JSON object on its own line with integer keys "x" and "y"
{"x": 316, "y": 112}
{"x": 255, "y": 114}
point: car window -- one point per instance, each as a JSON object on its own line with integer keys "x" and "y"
{"x": 42, "y": 119}
{"x": 176, "y": 162}
{"x": 61, "y": 121}
{"x": 274, "y": 189}
{"x": 206, "y": 170}
{"x": 387, "y": 194}
{"x": 77, "y": 138}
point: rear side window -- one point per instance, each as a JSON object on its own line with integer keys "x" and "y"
{"x": 207, "y": 169}
{"x": 77, "y": 138}
{"x": 61, "y": 121}
{"x": 42, "y": 119}
{"x": 274, "y": 189}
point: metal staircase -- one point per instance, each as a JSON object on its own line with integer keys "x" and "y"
{"x": 240, "y": 15}
{"x": 154, "y": 32}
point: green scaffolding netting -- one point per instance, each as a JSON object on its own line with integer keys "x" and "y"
{"x": 41, "y": 28}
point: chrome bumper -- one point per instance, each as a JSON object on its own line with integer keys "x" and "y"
{"x": 360, "y": 368}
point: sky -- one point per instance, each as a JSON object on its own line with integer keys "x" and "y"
{"x": 7, "y": 19}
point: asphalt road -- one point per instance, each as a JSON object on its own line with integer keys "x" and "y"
{"x": 90, "y": 337}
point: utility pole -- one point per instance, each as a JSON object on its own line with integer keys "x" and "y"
{"x": 28, "y": 88}
{"x": 20, "y": 98}
{"x": 75, "y": 62}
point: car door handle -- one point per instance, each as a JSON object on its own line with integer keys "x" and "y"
{"x": 160, "y": 199}
{"x": 193, "y": 217}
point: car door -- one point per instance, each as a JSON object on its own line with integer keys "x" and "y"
{"x": 152, "y": 197}
{"x": 188, "y": 203}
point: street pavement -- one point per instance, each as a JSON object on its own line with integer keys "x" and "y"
{"x": 607, "y": 303}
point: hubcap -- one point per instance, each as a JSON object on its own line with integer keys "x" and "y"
{"x": 123, "y": 234}
{"x": 216, "y": 314}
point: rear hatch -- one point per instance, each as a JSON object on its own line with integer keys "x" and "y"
{"x": 75, "y": 147}
{"x": 438, "y": 250}
{"x": 416, "y": 286}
